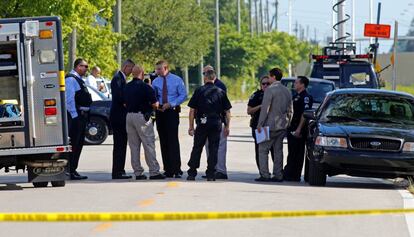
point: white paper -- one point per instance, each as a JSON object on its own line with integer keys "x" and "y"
{"x": 263, "y": 135}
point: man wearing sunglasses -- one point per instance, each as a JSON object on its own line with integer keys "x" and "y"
{"x": 78, "y": 101}
{"x": 253, "y": 109}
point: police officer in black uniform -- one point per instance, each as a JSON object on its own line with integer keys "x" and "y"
{"x": 253, "y": 109}
{"x": 297, "y": 131}
{"x": 207, "y": 105}
{"x": 78, "y": 102}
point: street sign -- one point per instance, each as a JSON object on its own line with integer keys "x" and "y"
{"x": 377, "y": 30}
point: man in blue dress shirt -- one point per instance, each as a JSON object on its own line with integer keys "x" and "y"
{"x": 78, "y": 101}
{"x": 171, "y": 93}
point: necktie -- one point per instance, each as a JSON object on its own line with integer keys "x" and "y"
{"x": 164, "y": 91}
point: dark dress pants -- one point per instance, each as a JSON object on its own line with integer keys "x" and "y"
{"x": 77, "y": 137}
{"x": 167, "y": 127}
{"x": 120, "y": 137}
{"x": 210, "y": 131}
{"x": 296, "y": 153}
{"x": 256, "y": 149}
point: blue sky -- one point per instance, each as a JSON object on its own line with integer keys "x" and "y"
{"x": 317, "y": 14}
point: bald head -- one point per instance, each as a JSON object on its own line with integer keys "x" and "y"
{"x": 138, "y": 72}
{"x": 96, "y": 72}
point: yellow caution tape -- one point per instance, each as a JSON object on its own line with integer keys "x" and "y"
{"x": 185, "y": 216}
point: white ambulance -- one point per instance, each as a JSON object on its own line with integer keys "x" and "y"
{"x": 33, "y": 119}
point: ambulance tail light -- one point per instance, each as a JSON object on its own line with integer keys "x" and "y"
{"x": 50, "y": 111}
{"x": 50, "y": 102}
{"x": 45, "y": 34}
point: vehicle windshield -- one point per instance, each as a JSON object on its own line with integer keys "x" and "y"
{"x": 369, "y": 108}
{"x": 316, "y": 89}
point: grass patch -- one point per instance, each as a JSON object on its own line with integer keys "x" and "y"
{"x": 407, "y": 89}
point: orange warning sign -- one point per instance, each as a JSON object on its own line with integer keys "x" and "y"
{"x": 377, "y": 30}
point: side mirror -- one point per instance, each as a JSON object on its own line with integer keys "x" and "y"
{"x": 309, "y": 114}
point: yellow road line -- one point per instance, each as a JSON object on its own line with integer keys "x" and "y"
{"x": 186, "y": 216}
{"x": 172, "y": 184}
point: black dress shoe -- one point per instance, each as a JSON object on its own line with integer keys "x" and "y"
{"x": 177, "y": 176}
{"x": 168, "y": 175}
{"x": 121, "y": 176}
{"x": 204, "y": 176}
{"x": 211, "y": 179}
{"x": 291, "y": 179}
{"x": 191, "y": 178}
{"x": 158, "y": 176}
{"x": 262, "y": 179}
{"x": 220, "y": 175}
{"x": 274, "y": 179}
{"x": 141, "y": 177}
{"x": 76, "y": 176}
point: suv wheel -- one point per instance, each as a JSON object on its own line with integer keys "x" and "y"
{"x": 60, "y": 183}
{"x": 96, "y": 131}
{"x": 317, "y": 175}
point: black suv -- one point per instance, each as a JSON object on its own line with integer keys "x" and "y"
{"x": 341, "y": 65}
{"x": 361, "y": 132}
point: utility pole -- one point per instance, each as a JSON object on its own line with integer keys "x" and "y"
{"x": 118, "y": 22}
{"x": 256, "y": 16}
{"x": 217, "y": 43}
{"x": 238, "y": 16}
{"x": 394, "y": 56}
{"x": 72, "y": 48}
{"x": 290, "y": 17}
{"x": 251, "y": 17}
{"x": 261, "y": 17}
{"x": 276, "y": 13}
{"x": 201, "y": 66}
{"x": 267, "y": 16}
{"x": 333, "y": 22}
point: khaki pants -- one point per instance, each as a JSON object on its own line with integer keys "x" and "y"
{"x": 276, "y": 140}
{"x": 140, "y": 131}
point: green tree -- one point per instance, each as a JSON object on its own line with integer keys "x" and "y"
{"x": 177, "y": 31}
{"x": 95, "y": 42}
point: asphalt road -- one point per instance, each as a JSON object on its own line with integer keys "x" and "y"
{"x": 240, "y": 193}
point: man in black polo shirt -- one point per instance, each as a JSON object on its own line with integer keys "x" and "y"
{"x": 140, "y": 102}
{"x": 297, "y": 131}
{"x": 221, "y": 167}
{"x": 207, "y": 106}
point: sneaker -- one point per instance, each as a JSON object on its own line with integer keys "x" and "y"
{"x": 158, "y": 176}
{"x": 262, "y": 179}
{"x": 191, "y": 178}
{"x": 141, "y": 177}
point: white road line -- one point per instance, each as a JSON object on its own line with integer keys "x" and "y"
{"x": 408, "y": 199}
